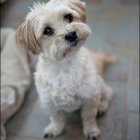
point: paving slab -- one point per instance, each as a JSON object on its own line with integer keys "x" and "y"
{"x": 133, "y": 127}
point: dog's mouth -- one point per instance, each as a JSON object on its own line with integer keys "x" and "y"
{"x": 74, "y": 43}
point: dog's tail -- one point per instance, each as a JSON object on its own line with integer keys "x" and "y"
{"x": 103, "y": 60}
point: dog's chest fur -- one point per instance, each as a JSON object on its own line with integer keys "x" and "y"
{"x": 62, "y": 85}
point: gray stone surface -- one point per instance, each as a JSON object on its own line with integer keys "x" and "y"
{"x": 115, "y": 30}
{"x": 133, "y": 127}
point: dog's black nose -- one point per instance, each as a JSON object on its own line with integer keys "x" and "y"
{"x": 71, "y": 36}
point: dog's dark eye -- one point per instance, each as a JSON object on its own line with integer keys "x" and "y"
{"x": 48, "y": 31}
{"x": 68, "y": 18}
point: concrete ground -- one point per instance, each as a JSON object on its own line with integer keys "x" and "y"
{"x": 115, "y": 30}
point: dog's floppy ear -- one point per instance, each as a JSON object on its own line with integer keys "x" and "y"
{"x": 79, "y": 7}
{"x": 25, "y": 35}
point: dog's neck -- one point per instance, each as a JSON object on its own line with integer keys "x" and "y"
{"x": 73, "y": 63}
{"x": 69, "y": 58}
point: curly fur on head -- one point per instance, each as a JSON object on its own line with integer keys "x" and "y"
{"x": 67, "y": 76}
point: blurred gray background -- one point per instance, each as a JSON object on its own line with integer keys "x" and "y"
{"x": 115, "y": 26}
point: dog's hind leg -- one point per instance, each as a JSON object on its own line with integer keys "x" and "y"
{"x": 106, "y": 97}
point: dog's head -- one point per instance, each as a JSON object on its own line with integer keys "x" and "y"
{"x": 56, "y": 28}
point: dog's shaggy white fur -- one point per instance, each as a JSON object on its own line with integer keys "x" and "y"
{"x": 67, "y": 76}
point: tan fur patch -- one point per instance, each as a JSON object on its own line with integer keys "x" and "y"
{"x": 85, "y": 71}
{"x": 26, "y": 35}
{"x": 77, "y": 6}
{"x": 80, "y": 8}
{"x": 102, "y": 60}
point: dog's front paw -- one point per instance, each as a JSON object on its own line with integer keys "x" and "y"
{"x": 53, "y": 130}
{"x": 92, "y": 137}
{"x": 92, "y": 133}
{"x": 47, "y": 135}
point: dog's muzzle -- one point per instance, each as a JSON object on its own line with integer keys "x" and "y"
{"x": 72, "y": 38}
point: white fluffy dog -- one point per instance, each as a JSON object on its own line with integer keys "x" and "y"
{"x": 67, "y": 76}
